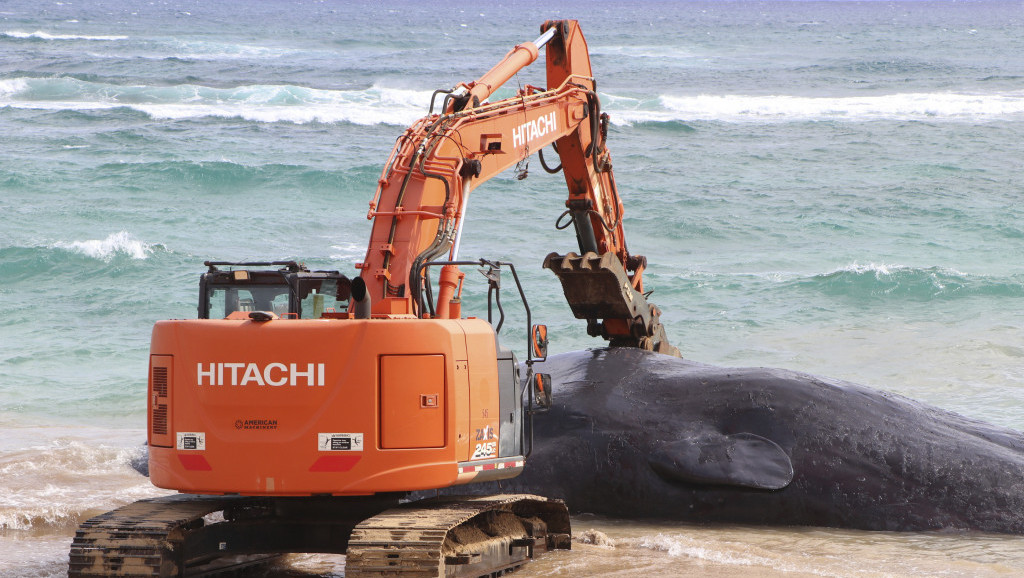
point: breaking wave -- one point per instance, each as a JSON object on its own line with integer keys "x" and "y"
{"x": 40, "y": 35}
{"x": 212, "y": 50}
{"x": 159, "y": 48}
{"x": 784, "y": 108}
{"x": 880, "y": 281}
{"x": 401, "y": 107}
{"x": 56, "y": 485}
{"x": 115, "y": 253}
{"x": 63, "y": 257}
{"x": 115, "y": 244}
{"x": 259, "y": 103}
{"x": 687, "y": 547}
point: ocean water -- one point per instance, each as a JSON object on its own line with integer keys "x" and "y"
{"x": 829, "y": 186}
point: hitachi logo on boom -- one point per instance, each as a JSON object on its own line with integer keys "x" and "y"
{"x": 273, "y": 374}
{"x": 533, "y": 129}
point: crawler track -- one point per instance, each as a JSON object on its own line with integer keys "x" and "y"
{"x": 485, "y": 536}
{"x": 209, "y": 535}
{"x": 145, "y": 538}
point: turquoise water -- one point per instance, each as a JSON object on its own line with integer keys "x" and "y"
{"x": 824, "y": 186}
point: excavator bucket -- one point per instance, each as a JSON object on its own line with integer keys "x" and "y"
{"x": 598, "y": 289}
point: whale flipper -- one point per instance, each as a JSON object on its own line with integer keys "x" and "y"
{"x": 744, "y": 459}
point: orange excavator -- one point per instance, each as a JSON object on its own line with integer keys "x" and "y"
{"x": 301, "y": 407}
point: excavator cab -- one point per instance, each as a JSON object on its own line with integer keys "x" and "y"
{"x": 286, "y": 289}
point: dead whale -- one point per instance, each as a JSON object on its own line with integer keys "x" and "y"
{"x": 640, "y": 435}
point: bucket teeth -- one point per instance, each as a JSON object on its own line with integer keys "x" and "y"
{"x": 598, "y": 287}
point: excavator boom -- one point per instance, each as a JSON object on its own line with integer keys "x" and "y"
{"x": 423, "y": 192}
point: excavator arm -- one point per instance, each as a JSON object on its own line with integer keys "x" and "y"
{"x": 422, "y": 194}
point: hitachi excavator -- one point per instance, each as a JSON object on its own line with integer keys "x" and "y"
{"x": 302, "y": 407}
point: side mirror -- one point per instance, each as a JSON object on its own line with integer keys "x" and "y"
{"x": 541, "y": 384}
{"x": 539, "y": 340}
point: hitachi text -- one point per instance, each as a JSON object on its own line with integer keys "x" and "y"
{"x": 272, "y": 374}
{"x": 533, "y": 129}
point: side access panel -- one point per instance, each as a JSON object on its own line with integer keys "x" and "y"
{"x": 412, "y": 401}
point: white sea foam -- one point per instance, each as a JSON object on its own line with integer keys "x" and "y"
{"x": 353, "y": 113}
{"x": 58, "y": 483}
{"x": 684, "y": 546}
{"x": 301, "y": 105}
{"x": 393, "y": 106}
{"x": 644, "y": 51}
{"x": 206, "y": 50}
{"x": 876, "y": 268}
{"x": 202, "y": 51}
{"x": 883, "y": 269}
{"x": 40, "y": 35}
{"x": 121, "y": 243}
{"x": 785, "y": 108}
{"x": 347, "y": 251}
{"x": 726, "y": 553}
{"x": 258, "y": 103}
{"x": 12, "y": 86}
{"x": 594, "y": 537}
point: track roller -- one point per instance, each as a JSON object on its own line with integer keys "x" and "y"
{"x": 457, "y": 536}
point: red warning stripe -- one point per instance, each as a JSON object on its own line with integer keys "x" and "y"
{"x": 334, "y": 463}
{"x": 194, "y": 462}
{"x": 491, "y": 466}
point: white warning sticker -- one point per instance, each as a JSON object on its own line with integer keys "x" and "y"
{"x": 340, "y": 442}
{"x": 191, "y": 441}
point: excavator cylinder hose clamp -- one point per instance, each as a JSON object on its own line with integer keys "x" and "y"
{"x": 540, "y": 342}
{"x": 542, "y": 389}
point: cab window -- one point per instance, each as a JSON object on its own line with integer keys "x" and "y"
{"x": 226, "y": 300}
{"x": 319, "y": 296}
